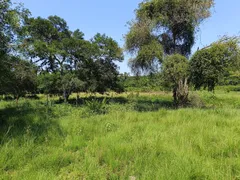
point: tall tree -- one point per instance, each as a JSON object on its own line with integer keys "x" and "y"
{"x": 11, "y": 21}
{"x": 51, "y": 44}
{"x": 100, "y": 71}
{"x": 44, "y": 39}
{"x": 169, "y": 23}
{"x": 164, "y": 27}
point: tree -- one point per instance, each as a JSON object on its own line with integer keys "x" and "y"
{"x": 161, "y": 28}
{"x": 210, "y": 64}
{"x": 100, "y": 71}
{"x": 175, "y": 74}
{"x": 4, "y": 8}
{"x": 171, "y": 23}
{"x": 57, "y": 49}
{"x": 70, "y": 83}
{"x": 44, "y": 40}
{"x": 231, "y": 78}
{"x": 11, "y": 20}
{"x": 48, "y": 83}
{"x": 80, "y": 63}
{"x": 54, "y": 84}
{"x": 22, "y": 78}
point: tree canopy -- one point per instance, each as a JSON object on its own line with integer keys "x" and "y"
{"x": 210, "y": 64}
{"x": 45, "y": 53}
{"x": 11, "y": 21}
{"x": 164, "y": 27}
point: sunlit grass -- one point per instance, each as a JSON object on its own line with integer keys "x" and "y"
{"x": 141, "y": 136}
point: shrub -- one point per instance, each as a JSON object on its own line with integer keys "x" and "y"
{"x": 96, "y": 106}
{"x": 195, "y": 101}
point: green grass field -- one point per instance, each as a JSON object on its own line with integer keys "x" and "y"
{"x": 137, "y": 136}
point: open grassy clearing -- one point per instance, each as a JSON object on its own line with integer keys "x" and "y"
{"x": 141, "y": 136}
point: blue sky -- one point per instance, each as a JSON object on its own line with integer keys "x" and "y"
{"x": 111, "y": 16}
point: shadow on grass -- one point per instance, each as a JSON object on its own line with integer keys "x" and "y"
{"x": 148, "y": 105}
{"x": 32, "y": 96}
{"x": 81, "y": 101}
{"x": 140, "y": 104}
{"x": 11, "y": 98}
{"x": 17, "y": 121}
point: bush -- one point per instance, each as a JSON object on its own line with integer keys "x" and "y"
{"x": 195, "y": 101}
{"x": 96, "y": 106}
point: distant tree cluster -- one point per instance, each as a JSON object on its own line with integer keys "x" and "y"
{"x": 39, "y": 55}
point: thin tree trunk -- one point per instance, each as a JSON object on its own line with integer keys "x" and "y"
{"x": 77, "y": 99}
{"x": 64, "y": 95}
{"x": 175, "y": 101}
{"x": 47, "y": 99}
{"x": 64, "y": 89}
{"x": 17, "y": 98}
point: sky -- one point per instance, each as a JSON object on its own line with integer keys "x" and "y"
{"x": 111, "y": 17}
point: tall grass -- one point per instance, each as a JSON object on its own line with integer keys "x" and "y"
{"x": 142, "y": 138}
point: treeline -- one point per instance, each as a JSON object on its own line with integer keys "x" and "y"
{"x": 154, "y": 82}
{"x": 40, "y": 55}
{"x": 145, "y": 83}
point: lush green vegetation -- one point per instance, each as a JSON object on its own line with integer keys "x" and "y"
{"x": 141, "y": 83}
{"x": 152, "y": 125}
{"x": 44, "y": 56}
{"x": 138, "y": 135}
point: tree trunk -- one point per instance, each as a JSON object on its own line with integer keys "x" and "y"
{"x": 180, "y": 93}
{"x": 175, "y": 100}
{"x": 65, "y": 96}
{"x": 47, "y": 99}
{"x": 77, "y": 99}
{"x": 17, "y": 98}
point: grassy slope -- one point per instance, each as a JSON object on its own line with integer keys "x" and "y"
{"x": 61, "y": 142}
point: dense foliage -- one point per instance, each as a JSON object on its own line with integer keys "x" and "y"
{"x": 21, "y": 78}
{"x": 42, "y": 55}
{"x": 209, "y": 65}
{"x": 133, "y": 135}
{"x": 62, "y": 60}
{"x": 149, "y": 83}
{"x": 11, "y": 19}
{"x": 165, "y": 26}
